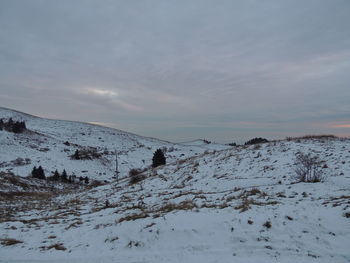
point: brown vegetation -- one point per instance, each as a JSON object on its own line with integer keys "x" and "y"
{"x": 57, "y": 246}
{"x": 9, "y": 241}
{"x": 313, "y": 136}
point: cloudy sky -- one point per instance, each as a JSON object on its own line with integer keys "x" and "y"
{"x": 179, "y": 70}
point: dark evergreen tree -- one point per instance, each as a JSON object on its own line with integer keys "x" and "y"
{"x": 11, "y": 126}
{"x": 56, "y": 176}
{"x": 40, "y": 173}
{"x": 86, "y": 180}
{"x": 158, "y": 158}
{"x": 10, "y": 122}
{"x": 23, "y": 125}
{"x": 64, "y": 177}
{"x": 76, "y": 155}
{"x": 34, "y": 172}
{"x": 17, "y": 127}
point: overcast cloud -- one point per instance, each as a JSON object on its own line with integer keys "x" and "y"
{"x": 180, "y": 70}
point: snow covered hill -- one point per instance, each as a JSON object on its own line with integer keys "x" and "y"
{"x": 240, "y": 204}
{"x": 50, "y": 143}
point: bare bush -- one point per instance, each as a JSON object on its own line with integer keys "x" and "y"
{"x": 308, "y": 168}
{"x": 136, "y": 176}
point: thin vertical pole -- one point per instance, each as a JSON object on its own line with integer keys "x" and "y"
{"x": 116, "y": 164}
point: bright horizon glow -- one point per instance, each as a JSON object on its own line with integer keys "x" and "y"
{"x": 341, "y": 126}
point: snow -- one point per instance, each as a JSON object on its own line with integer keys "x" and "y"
{"x": 190, "y": 210}
{"x": 44, "y": 145}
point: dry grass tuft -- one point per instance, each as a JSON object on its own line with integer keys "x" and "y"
{"x": 8, "y": 196}
{"x": 245, "y": 205}
{"x": 252, "y": 192}
{"x": 57, "y": 246}
{"x": 9, "y": 241}
{"x": 133, "y": 217}
{"x": 184, "y": 205}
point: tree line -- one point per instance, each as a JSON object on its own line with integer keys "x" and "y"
{"x": 58, "y": 177}
{"x": 12, "y": 126}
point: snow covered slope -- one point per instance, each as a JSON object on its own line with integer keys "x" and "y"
{"x": 234, "y": 205}
{"x": 50, "y": 143}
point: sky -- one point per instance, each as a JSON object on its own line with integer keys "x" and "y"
{"x": 226, "y": 71}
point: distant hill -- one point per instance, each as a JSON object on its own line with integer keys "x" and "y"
{"x": 50, "y": 143}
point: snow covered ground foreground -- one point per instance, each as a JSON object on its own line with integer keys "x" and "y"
{"x": 237, "y": 204}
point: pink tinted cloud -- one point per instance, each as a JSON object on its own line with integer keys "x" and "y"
{"x": 340, "y": 126}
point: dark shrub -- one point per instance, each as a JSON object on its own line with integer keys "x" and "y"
{"x": 86, "y": 154}
{"x": 56, "y": 176}
{"x": 267, "y": 224}
{"x": 38, "y": 173}
{"x": 76, "y": 155}
{"x": 12, "y": 126}
{"x": 256, "y": 141}
{"x": 158, "y": 158}
{"x": 64, "y": 176}
{"x": 41, "y": 173}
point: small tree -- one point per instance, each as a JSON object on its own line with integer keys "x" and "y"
{"x": 64, "y": 177}
{"x": 86, "y": 180}
{"x": 34, "y": 172}
{"x": 18, "y": 127}
{"x": 56, "y": 176}
{"x": 10, "y": 122}
{"x": 40, "y": 174}
{"x": 76, "y": 155}
{"x": 158, "y": 158}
